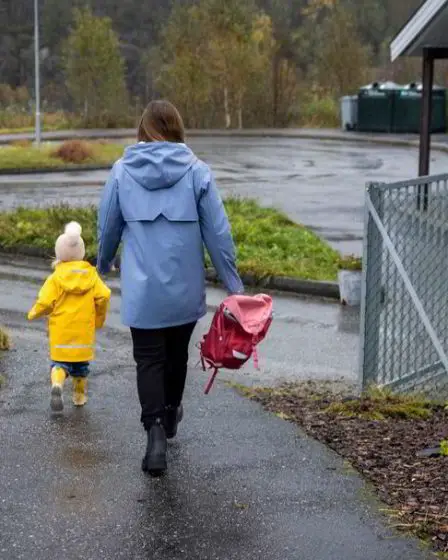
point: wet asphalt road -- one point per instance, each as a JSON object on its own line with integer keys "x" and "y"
{"x": 318, "y": 183}
{"x": 242, "y": 484}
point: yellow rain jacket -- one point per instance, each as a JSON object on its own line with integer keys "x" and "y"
{"x": 76, "y": 300}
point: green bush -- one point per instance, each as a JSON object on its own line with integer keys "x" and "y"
{"x": 319, "y": 112}
{"x": 267, "y": 242}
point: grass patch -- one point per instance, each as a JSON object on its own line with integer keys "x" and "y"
{"x": 268, "y": 243}
{"x": 30, "y": 157}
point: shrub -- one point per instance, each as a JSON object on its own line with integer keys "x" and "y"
{"x": 14, "y": 97}
{"x": 58, "y": 120}
{"x": 15, "y": 119}
{"x": 21, "y": 118}
{"x": 7, "y": 96}
{"x": 74, "y": 151}
{"x": 4, "y": 340}
{"x": 319, "y": 111}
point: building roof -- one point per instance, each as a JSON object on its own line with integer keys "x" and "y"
{"x": 427, "y": 28}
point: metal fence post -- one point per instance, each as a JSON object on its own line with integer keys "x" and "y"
{"x": 426, "y": 124}
{"x": 38, "y": 125}
{"x": 372, "y": 288}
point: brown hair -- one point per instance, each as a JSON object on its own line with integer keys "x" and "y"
{"x": 161, "y": 122}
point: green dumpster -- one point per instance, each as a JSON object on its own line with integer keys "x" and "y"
{"x": 408, "y": 107}
{"x": 376, "y": 106}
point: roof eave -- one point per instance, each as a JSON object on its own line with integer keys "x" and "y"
{"x": 409, "y": 35}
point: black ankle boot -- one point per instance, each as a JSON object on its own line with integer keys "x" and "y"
{"x": 154, "y": 462}
{"x": 173, "y": 415}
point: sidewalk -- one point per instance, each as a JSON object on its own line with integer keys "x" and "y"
{"x": 242, "y": 484}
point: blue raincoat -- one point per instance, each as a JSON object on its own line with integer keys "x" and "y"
{"x": 161, "y": 201}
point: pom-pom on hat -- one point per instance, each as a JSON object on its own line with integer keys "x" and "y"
{"x": 70, "y": 245}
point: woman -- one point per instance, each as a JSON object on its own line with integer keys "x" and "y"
{"x": 162, "y": 202}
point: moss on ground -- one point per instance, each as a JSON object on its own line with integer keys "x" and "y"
{"x": 379, "y": 404}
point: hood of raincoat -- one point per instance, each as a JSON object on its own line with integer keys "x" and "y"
{"x": 77, "y": 277}
{"x": 158, "y": 165}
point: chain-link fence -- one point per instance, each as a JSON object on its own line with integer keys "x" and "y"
{"x": 405, "y": 300}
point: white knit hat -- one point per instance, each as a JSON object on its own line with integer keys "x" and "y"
{"x": 70, "y": 245}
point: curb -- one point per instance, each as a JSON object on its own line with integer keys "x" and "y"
{"x": 296, "y": 286}
{"x": 46, "y": 170}
{"x": 327, "y": 290}
{"x": 78, "y": 134}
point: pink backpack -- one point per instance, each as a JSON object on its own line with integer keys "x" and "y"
{"x": 240, "y": 323}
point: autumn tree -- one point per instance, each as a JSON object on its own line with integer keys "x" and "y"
{"x": 206, "y": 55}
{"x": 230, "y": 25}
{"x": 214, "y": 55}
{"x": 181, "y": 64}
{"x": 369, "y": 18}
{"x": 95, "y": 70}
{"x": 239, "y": 53}
{"x": 342, "y": 61}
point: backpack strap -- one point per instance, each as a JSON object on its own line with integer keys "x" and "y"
{"x": 255, "y": 358}
{"x": 211, "y": 381}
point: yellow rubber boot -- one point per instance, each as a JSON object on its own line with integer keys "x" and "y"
{"x": 58, "y": 377}
{"x": 79, "y": 391}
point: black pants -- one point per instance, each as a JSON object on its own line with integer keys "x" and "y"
{"x": 162, "y": 358}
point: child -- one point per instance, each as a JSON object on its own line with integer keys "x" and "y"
{"x": 76, "y": 301}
